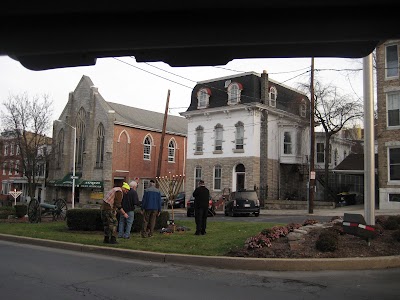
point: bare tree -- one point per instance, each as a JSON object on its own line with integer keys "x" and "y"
{"x": 27, "y": 120}
{"x": 333, "y": 112}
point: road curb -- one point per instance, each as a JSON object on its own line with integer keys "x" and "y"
{"x": 222, "y": 262}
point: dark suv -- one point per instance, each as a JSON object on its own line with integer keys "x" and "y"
{"x": 243, "y": 202}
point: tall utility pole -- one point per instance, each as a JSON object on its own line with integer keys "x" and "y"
{"x": 311, "y": 185}
{"x": 162, "y": 137}
{"x": 369, "y": 151}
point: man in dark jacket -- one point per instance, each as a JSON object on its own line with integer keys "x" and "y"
{"x": 201, "y": 198}
{"x": 129, "y": 201}
{"x": 151, "y": 209}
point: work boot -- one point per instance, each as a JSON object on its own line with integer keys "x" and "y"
{"x": 106, "y": 240}
{"x": 113, "y": 240}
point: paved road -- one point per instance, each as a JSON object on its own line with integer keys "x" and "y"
{"x": 295, "y": 216}
{"x": 35, "y": 272}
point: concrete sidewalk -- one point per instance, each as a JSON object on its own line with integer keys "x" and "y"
{"x": 339, "y": 211}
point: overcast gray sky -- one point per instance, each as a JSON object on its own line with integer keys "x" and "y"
{"x": 146, "y": 85}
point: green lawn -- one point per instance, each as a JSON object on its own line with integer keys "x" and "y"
{"x": 221, "y": 237}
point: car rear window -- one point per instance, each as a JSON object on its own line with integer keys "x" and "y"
{"x": 246, "y": 195}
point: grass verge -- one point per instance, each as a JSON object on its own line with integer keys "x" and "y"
{"x": 221, "y": 237}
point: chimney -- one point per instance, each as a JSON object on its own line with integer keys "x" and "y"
{"x": 264, "y": 87}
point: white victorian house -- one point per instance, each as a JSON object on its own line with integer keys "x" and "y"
{"x": 248, "y": 132}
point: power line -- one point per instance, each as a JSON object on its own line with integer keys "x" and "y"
{"x": 152, "y": 73}
{"x": 268, "y": 72}
{"x": 169, "y": 72}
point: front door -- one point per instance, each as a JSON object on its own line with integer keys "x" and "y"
{"x": 240, "y": 181}
{"x": 240, "y": 177}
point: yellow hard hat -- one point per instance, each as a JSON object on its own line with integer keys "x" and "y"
{"x": 126, "y": 186}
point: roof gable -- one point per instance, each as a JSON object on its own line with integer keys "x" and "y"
{"x": 145, "y": 119}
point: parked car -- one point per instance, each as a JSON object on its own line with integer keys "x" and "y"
{"x": 243, "y": 202}
{"x": 179, "y": 201}
{"x": 190, "y": 207}
{"x": 163, "y": 199}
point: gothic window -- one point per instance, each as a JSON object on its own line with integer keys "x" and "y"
{"x": 80, "y": 137}
{"x": 59, "y": 148}
{"x": 147, "y": 148}
{"x": 100, "y": 146}
{"x": 171, "y": 151}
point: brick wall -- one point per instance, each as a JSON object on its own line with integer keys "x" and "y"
{"x": 385, "y": 136}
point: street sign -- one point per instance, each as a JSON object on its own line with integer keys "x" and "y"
{"x": 74, "y": 177}
{"x": 355, "y": 224}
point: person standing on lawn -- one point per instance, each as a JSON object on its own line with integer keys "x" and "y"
{"x": 151, "y": 209}
{"x": 112, "y": 203}
{"x": 201, "y": 197}
{"x": 129, "y": 200}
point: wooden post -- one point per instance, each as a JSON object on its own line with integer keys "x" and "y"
{"x": 162, "y": 137}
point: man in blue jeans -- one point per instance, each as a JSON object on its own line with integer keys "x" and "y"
{"x": 129, "y": 201}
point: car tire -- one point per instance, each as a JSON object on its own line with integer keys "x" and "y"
{"x": 257, "y": 214}
{"x": 188, "y": 215}
{"x": 182, "y": 205}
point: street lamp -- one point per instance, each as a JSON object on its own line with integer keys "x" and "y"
{"x": 73, "y": 163}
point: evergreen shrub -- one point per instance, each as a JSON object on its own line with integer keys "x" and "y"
{"x": 21, "y": 210}
{"x": 327, "y": 241}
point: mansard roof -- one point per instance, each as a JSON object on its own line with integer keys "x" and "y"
{"x": 288, "y": 99}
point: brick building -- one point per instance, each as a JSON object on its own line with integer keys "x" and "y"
{"x": 114, "y": 142}
{"x": 388, "y": 129}
{"x": 13, "y": 170}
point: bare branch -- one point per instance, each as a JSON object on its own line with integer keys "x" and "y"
{"x": 27, "y": 120}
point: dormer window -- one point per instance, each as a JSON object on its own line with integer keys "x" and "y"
{"x": 272, "y": 96}
{"x": 234, "y": 92}
{"x": 303, "y": 108}
{"x": 203, "y": 98}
